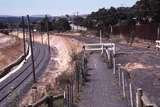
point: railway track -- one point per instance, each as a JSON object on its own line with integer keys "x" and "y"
{"x": 22, "y": 79}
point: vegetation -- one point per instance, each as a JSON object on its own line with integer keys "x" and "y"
{"x": 62, "y": 24}
{"x": 148, "y": 10}
{"x": 144, "y": 11}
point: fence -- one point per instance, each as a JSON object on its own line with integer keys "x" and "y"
{"x": 47, "y": 100}
{"x": 107, "y": 49}
{"x": 134, "y": 96}
{"x": 144, "y": 31}
{"x": 71, "y": 88}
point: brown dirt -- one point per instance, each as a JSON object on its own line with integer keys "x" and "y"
{"x": 141, "y": 61}
{"x": 61, "y": 61}
{"x": 10, "y": 50}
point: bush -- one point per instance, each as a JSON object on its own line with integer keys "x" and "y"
{"x": 63, "y": 79}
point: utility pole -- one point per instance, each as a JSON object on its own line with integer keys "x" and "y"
{"x": 30, "y": 38}
{"x": 33, "y": 35}
{"x": 17, "y": 29}
{"x": 100, "y": 36}
{"x": 24, "y": 43}
{"x": 77, "y": 18}
{"x": 47, "y": 28}
{"x": 158, "y": 32}
{"x": 111, "y": 30}
{"x": 41, "y": 33}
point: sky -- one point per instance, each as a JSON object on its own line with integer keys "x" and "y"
{"x": 57, "y": 7}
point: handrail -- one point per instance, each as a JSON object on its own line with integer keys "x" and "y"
{"x": 47, "y": 100}
{"x": 104, "y": 44}
{"x": 100, "y": 47}
{"x": 40, "y": 102}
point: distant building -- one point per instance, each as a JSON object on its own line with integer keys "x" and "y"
{"x": 78, "y": 28}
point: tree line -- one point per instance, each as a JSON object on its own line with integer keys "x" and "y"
{"x": 143, "y": 11}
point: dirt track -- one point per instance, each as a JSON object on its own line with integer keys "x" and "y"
{"x": 102, "y": 90}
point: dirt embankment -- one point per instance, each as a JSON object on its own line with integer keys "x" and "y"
{"x": 61, "y": 61}
{"x": 10, "y": 49}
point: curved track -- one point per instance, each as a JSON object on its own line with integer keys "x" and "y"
{"x": 23, "y": 78}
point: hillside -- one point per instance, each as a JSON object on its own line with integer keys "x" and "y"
{"x": 10, "y": 49}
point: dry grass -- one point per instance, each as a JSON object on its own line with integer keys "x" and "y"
{"x": 59, "y": 68}
{"x": 11, "y": 52}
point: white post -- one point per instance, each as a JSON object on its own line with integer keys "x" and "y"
{"x": 131, "y": 94}
{"x": 123, "y": 83}
{"x": 114, "y": 60}
{"x": 102, "y": 49}
{"x": 114, "y": 65}
{"x": 119, "y": 74}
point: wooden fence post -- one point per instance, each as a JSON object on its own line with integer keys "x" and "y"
{"x": 64, "y": 101}
{"x": 50, "y": 101}
{"x": 72, "y": 82}
{"x": 29, "y": 106}
{"x": 70, "y": 88}
{"x": 68, "y": 97}
{"x": 139, "y": 95}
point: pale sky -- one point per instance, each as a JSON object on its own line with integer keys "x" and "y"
{"x": 57, "y": 7}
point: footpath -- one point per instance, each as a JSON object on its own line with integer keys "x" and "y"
{"x": 102, "y": 89}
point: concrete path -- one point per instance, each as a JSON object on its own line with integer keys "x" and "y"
{"x": 102, "y": 90}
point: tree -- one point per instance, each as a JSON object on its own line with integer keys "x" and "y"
{"x": 78, "y": 21}
{"x": 146, "y": 9}
{"x": 3, "y": 26}
{"x": 62, "y": 25}
{"x": 43, "y": 25}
